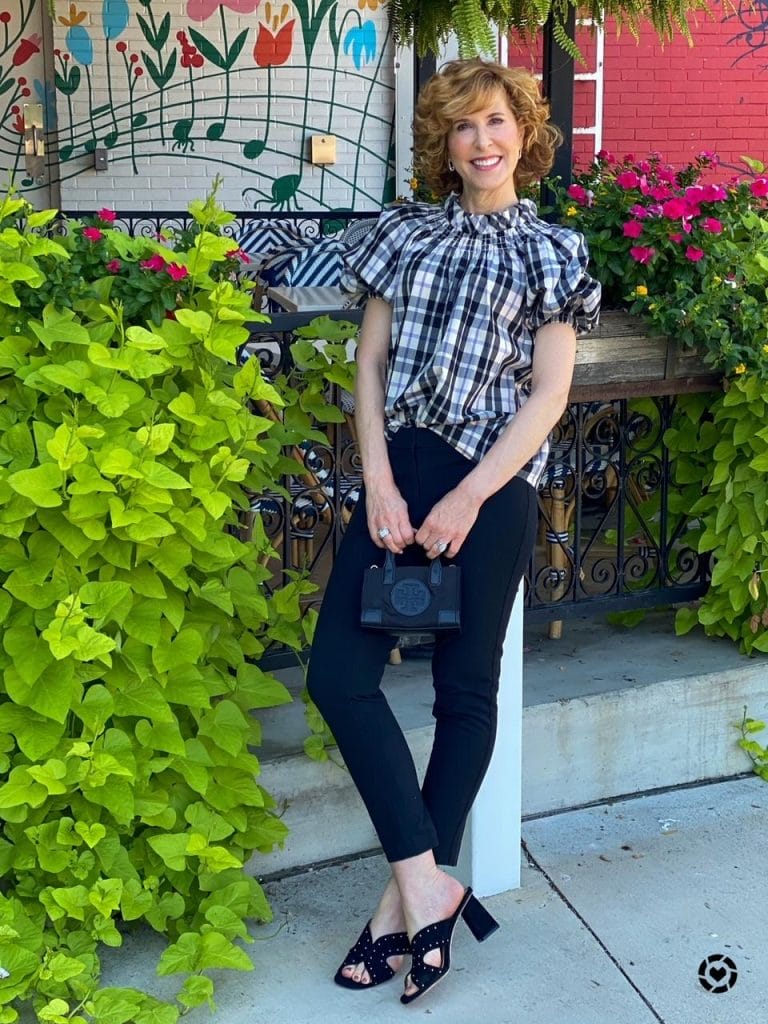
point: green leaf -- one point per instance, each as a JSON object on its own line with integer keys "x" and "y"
{"x": 207, "y": 49}
{"x": 227, "y": 726}
{"x": 172, "y": 849}
{"x": 195, "y": 991}
{"x": 116, "y": 1005}
{"x": 182, "y": 956}
{"x": 218, "y": 952}
{"x": 35, "y": 734}
{"x": 142, "y": 698}
{"x": 51, "y": 695}
{"x": 40, "y": 484}
{"x": 90, "y": 834}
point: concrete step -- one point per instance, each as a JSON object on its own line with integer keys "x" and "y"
{"x": 609, "y": 712}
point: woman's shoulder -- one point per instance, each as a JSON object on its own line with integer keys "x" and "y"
{"x": 410, "y": 215}
{"x": 541, "y": 232}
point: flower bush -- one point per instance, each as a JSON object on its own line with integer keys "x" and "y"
{"x": 691, "y": 257}
{"x": 684, "y": 252}
{"x": 132, "y": 614}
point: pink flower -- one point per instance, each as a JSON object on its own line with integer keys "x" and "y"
{"x": 201, "y": 10}
{"x": 642, "y": 253}
{"x": 106, "y": 215}
{"x": 714, "y": 194}
{"x": 627, "y": 180}
{"x": 676, "y": 237}
{"x": 644, "y": 166}
{"x": 639, "y": 212}
{"x": 759, "y": 187}
{"x": 694, "y": 254}
{"x": 606, "y": 155}
{"x": 155, "y": 262}
{"x": 660, "y": 192}
{"x": 238, "y": 254}
{"x": 633, "y": 229}
{"x": 114, "y": 266}
{"x": 713, "y": 225}
{"x": 666, "y": 174}
{"x": 675, "y": 208}
{"x": 579, "y": 193}
{"x": 93, "y": 234}
{"x": 177, "y": 272}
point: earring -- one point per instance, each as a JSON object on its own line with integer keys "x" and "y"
{"x": 451, "y": 168}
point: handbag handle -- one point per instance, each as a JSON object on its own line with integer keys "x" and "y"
{"x": 435, "y": 570}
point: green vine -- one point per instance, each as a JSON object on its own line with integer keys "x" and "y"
{"x": 133, "y": 617}
{"x": 757, "y": 753}
{"x": 720, "y": 451}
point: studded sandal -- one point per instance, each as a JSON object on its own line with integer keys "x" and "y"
{"x": 374, "y": 955}
{"x": 440, "y": 936}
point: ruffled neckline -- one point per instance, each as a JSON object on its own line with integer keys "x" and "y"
{"x": 488, "y": 223}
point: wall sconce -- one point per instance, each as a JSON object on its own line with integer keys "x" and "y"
{"x": 323, "y": 149}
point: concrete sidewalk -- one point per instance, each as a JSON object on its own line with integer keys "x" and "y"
{"x": 620, "y": 904}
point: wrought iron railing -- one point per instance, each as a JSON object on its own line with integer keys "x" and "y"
{"x": 611, "y": 536}
{"x": 310, "y": 224}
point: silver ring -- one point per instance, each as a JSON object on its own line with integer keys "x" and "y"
{"x": 441, "y": 546}
{"x": 383, "y": 532}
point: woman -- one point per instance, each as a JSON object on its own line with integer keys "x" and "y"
{"x": 465, "y": 360}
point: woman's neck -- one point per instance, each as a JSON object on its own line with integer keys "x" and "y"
{"x": 472, "y": 201}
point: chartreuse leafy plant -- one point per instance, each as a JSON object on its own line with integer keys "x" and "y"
{"x": 756, "y": 752}
{"x": 721, "y": 462}
{"x": 131, "y": 615}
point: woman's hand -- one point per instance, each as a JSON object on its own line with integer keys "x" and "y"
{"x": 448, "y": 522}
{"x": 387, "y": 510}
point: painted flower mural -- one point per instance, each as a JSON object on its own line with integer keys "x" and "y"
{"x": 274, "y": 39}
{"x": 26, "y": 49}
{"x": 362, "y": 42}
{"x": 201, "y": 10}
{"x": 78, "y": 40}
{"x": 114, "y": 15}
{"x": 151, "y": 81}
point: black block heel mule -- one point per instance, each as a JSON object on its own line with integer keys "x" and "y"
{"x": 440, "y": 936}
{"x": 374, "y": 955}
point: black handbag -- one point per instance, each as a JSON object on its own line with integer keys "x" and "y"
{"x": 408, "y": 598}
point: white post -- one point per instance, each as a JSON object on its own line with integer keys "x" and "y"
{"x": 490, "y": 854}
{"x": 404, "y": 85}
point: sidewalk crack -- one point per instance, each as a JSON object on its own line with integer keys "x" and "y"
{"x": 580, "y": 917}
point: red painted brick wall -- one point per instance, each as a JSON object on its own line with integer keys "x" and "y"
{"x": 675, "y": 98}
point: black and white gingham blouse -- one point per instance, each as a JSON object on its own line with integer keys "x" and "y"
{"x": 468, "y": 293}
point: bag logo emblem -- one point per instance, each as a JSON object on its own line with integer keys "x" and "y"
{"x": 410, "y": 597}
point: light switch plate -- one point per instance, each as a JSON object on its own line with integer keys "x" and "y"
{"x": 323, "y": 149}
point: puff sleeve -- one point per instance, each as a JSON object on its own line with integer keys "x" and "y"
{"x": 559, "y": 289}
{"x": 370, "y": 267}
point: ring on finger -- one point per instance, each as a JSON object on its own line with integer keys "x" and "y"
{"x": 441, "y": 546}
{"x": 383, "y": 532}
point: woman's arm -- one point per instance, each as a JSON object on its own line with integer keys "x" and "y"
{"x": 384, "y": 503}
{"x": 554, "y": 354}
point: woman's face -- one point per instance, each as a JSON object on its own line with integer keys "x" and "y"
{"x": 484, "y": 147}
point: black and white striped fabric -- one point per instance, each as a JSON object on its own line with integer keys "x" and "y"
{"x": 468, "y": 293}
{"x": 283, "y": 255}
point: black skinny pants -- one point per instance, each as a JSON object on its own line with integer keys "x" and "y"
{"x": 347, "y": 662}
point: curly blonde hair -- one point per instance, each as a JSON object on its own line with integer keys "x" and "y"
{"x": 459, "y": 88}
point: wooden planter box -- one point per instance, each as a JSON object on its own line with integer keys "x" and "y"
{"x": 619, "y": 359}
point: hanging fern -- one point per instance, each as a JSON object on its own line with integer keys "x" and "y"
{"x": 473, "y": 29}
{"x": 428, "y": 24}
